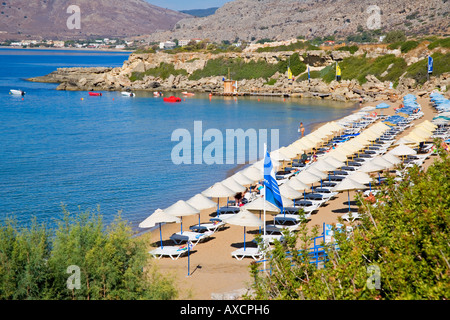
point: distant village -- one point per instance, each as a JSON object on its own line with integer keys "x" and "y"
{"x": 105, "y": 43}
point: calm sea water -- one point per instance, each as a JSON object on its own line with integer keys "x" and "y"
{"x": 114, "y": 152}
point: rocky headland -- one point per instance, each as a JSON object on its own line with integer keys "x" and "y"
{"x": 120, "y": 78}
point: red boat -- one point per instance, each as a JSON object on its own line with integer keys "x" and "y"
{"x": 172, "y": 99}
{"x": 95, "y": 93}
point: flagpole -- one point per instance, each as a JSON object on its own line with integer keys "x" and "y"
{"x": 264, "y": 207}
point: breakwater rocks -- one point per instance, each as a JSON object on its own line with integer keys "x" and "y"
{"x": 121, "y": 78}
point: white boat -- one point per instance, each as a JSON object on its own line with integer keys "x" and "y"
{"x": 17, "y": 92}
{"x": 127, "y": 94}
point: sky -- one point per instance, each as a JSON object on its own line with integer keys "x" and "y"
{"x": 188, "y": 4}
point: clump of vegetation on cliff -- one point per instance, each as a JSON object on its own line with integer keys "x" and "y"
{"x": 418, "y": 71}
{"x": 239, "y": 69}
{"x": 164, "y": 70}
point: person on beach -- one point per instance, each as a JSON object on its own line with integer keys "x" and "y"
{"x": 302, "y": 129}
{"x": 360, "y": 101}
{"x": 304, "y": 157}
{"x": 238, "y": 198}
{"x": 314, "y": 155}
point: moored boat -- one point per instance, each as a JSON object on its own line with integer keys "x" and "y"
{"x": 172, "y": 99}
{"x": 94, "y": 93}
{"x": 127, "y": 94}
{"x": 17, "y": 92}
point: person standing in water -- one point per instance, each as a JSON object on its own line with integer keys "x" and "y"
{"x": 301, "y": 129}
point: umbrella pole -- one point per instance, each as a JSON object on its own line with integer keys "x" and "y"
{"x": 181, "y": 225}
{"x": 244, "y": 238}
{"x": 160, "y": 235}
{"x": 348, "y": 192}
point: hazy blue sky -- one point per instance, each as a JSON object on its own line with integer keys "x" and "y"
{"x": 188, "y": 4}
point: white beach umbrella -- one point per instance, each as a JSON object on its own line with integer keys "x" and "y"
{"x": 218, "y": 190}
{"x": 180, "y": 209}
{"x": 402, "y": 150}
{"x": 159, "y": 217}
{"x": 242, "y": 179}
{"x": 404, "y": 140}
{"x": 297, "y": 185}
{"x": 379, "y": 161}
{"x": 346, "y": 185}
{"x": 245, "y": 218}
{"x": 232, "y": 184}
{"x": 391, "y": 158}
{"x": 316, "y": 172}
{"x": 338, "y": 155}
{"x": 259, "y": 205}
{"x": 360, "y": 177}
{"x": 200, "y": 202}
{"x": 290, "y": 152}
{"x": 369, "y": 166}
{"x": 333, "y": 161}
{"x": 278, "y": 155}
{"x": 287, "y": 202}
{"x": 289, "y": 192}
{"x": 253, "y": 173}
{"x": 307, "y": 177}
{"x": 322, "y": 165}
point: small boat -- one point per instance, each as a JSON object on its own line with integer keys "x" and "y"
{"x": 94, "y": 93}
{"x": 127, "y": 94}
{"x": 17, "y": 92}
{"x": 172, "y": 99}
{"x": 188, "y": 93}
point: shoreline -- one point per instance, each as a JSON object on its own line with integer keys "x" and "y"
{"x": 215, "y": 274}
{"x": 313, "y": 126}
{"x": 70, "y": 49}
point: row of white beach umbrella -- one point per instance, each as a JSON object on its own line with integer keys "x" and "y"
{"x": 300, "y": 182}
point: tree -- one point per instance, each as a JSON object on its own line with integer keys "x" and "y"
{"x": 395, "y": 36}
{"x": 36, "y": 263}
{"x": 405, "y": 236}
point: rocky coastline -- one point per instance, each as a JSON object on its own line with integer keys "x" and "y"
{"x": 118, "y": 79}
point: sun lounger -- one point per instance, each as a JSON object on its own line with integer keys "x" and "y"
{"x": 252, "y": 252}
{"x": 351, "y": 216}
{"x": 174, "y": 252}
{"x": 192, "y": 237}
{"x": 210, "y": 226}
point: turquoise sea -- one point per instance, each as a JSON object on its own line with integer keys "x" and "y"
{"x": 114, "y": 152}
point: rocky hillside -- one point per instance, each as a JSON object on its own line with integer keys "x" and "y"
{"x": 375, "y": 70}
{"x": 283, "y": 19}
{"x": 104, "y": 18}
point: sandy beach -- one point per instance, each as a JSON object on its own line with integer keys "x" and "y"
{"x": 213, "y": 271}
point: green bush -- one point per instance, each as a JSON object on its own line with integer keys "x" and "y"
{"x": 408, "y": 45}
{"x": 359, "y": 67}
{"x": 351, "y": 49}
{"x": 113, "y": 265}
{"x": 418, "y": 71}
{"x": 406, "y": 235}
{"x": 240, "y": 70}
{"x": 444, "y": 43}
{"x": 292, "y": 47}
{"x": 395, "y": 36}
{"x": 164, "y": 70}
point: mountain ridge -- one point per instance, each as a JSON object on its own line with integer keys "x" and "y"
{"x": 100, "y": 18}
{"x": 283, "y": 19}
